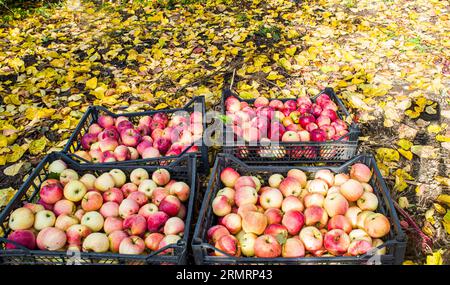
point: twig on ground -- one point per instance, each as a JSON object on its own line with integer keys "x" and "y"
{"x": 232, "y": 79}
{"x": 7, "y": 8}
{"x": 427, "y": 242}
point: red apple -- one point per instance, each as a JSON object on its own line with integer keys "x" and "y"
{"x": 293, "y": 221}
{"x": 304, "y": 100}
{"x": 112, "y": 224}
{"x": 318, "y": 135}
{"x": 128, "y": 207}
{"x": 161, "y": 118}
{"x": 96, "y": 156}
{"x": 181, "y": 190}
{"x": 87, "y": 140}
{"x": 122, "y": 153}
{"x": 95, "y": 129}
{"x": 323, "y": 120}
{"x": 216, "y": 232}
{"x": 153, "y": 240}
{"x": 316, "y": 110}
{"x": 310, "y": 127}
{"x": 162, "y": 144}
{"x": 246, "y": 195}
{"x": 145, "y": 121}
{"x": 221, "y": 206}
{"x": 135, "y": 225}
{"x": 132, "y": 245}
{"x": 311, "y": 238}
{"x": 128, "y": 188}
{"x": 352, "y": 190}
{"x": 110, "y": 209}
{"x": 326, "y": 175}
{"x": 360, "y": 172}
{"x": 368, "y": 202}
{"x": 254, "y": 222}
{"x": 276, "y": 131}
{"x": 139, "y": 197}
{"x": 290, "y": 186}
{"x": 340, "y": 222}
{"x": 229, "y": 176}
{"x": 228, "y": 244}
{"x": 108, "y": 156}
{"x": 25, "y": 238}
{"x": 92, "y": 201}
{"x": 272, "y": 198}
{"x": 161, "y": 176}
{"x": 115, "y": 239}
{"x": 158, "y": 194}
{"x": 274, "y": 216}
{"x": 156, "y": 221}
{"x": 292, "y": 203}
{"x": 232, "y": 104}
{"x": 76, "y": 233}
{"x": 279, "y": 232}
{"x": 261, "y": 102}
{"x": 64, "y": 207}
{"x": 336, "y": 242}
{"x": 335, "y": 204}
{"x": 124, "y": 125}
{"x": 105, "y": 121}
{"x": 304, "y": 108}
{"x": 170, "y": 205}
{"x": 276, "y": 104}
{"x": 377, "y": 225}
{"x": 148, "y": 209}
{"x": 316, "y": 216}
{"x": 232, "y": 222}
{"x": 51, "y": 191}
{"x": 313, "y": 199}
{"x": 299, "y": 175}
{"x": 293, "y": 248}
{"x": 330, "y": 113}
{"x": 266, "y": 246}
{"x": 359, "y": 247}
{"x": 306, "y": 119}
{"x": 108, "y": 144}
{"x": 290, "y": 105}
{"x": 340, "y": 179}
{"x": 114, "y": 195}
{"x": 108, "y": 133}
{"x": 51, "y": 239}
{"x": 317, "y": 186}
{"x": 323, "y": 99}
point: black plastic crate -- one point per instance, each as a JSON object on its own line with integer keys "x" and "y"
{"x": 183, "y": 169}
{"x": 93, "y": 112}
{"x": 395, "y": 243}
{"x": 294, "y": 152}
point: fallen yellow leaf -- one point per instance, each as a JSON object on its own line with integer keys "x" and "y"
{"x": 91, "y": 83}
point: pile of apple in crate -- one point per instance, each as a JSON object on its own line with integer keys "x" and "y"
{"x": 112, "y": 206}
{"x": 101, "y": 205}
{"x": 327, "y": 215}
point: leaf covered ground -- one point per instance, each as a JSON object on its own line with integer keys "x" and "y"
{"x": 388, "y": 60}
